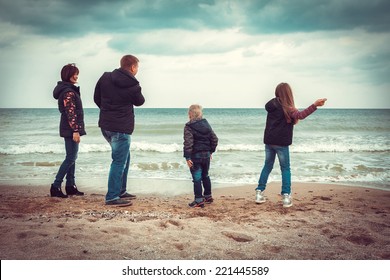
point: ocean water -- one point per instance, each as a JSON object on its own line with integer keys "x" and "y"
{"x": 330, "y": 146}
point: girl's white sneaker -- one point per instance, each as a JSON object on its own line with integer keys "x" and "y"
{"x": 287, "y": 200}
{"x": 260, "y": 198}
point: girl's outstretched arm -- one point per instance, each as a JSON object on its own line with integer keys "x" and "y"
{"x": 300, "y": 115}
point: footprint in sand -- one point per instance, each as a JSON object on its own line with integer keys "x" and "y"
{"x": 239, "y": 237}
{"x": 179, "y": 246}
{"x": 175, "y": 223}
{"x": 272, "y": 249}
{"x": 360, "y": 239}
{"x": 22, "y": 235}
{"x": 324, "y": 198}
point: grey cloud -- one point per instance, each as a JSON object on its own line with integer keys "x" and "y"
{"x": 168, "y": 43}
{"x": 74, "y": 17}
{"x": 129, "y": 22}
{"x": 322, "y": 15}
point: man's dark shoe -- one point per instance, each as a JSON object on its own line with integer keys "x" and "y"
{"x": 208, "y": 200}
{"x": 119, "y": 203}
{"x": 128, "y": 196}
{"x": 72, "y": 190}
{"x": 57, "y": 192}
{"x": 196, "y": 204}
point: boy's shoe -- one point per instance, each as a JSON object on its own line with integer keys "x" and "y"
{"x": 260, "y": 198}
{"x": 287, "y": 200}
{"x": 208, "y": 200}
{"x": 119, "y": 203}
{"x": 195, "y": 204}
{"x": 126, "y": 195}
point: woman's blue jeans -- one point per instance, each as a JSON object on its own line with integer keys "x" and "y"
{"x": 68, "y": 166}
{"x": 284, "y": 160}
{"x": 120, "y": 154}
{"x": 200, "y": 174}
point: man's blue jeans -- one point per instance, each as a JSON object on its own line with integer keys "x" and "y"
{"x": 284, "y": 160}
{"x": 68, "y": 166}
{"x": 200, "y": 174}
{"x": 120, "y": 153}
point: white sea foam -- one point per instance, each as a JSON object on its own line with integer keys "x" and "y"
{"x": 49, "y": 149}
{"x": 337, "y": 147}
{"x": 156, "y": 147}
{"x": 175, "y": 147}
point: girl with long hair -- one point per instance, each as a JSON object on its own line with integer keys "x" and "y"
{"x": 282, "y": 115}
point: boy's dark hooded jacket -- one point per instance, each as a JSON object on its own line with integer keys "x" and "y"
{"x": 199, "y": 137}
{"x": 58, "y": 93}
{"x": 116, "y": 94}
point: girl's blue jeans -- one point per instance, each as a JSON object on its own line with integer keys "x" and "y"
{"x": 120, "y": 154}
{"x": 284, "y": 160}
{"x": 68, "y": 165}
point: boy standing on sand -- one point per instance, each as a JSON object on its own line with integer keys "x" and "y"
{"x": 200, "y": 142}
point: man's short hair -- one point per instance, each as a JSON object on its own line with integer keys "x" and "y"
{"x": 128, "y": 60}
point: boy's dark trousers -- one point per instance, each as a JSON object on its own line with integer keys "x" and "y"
{"x": 200, "y": 174}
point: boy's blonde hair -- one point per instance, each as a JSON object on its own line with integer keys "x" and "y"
{"x": 195, "y": 112}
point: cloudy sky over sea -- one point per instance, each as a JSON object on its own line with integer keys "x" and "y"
{"x": 215, "y": 52}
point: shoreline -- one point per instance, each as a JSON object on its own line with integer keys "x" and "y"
{"x": 326, "y": 222}
{"x": 171, "y": 187}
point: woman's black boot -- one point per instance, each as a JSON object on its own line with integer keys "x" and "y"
{"x": 72, "y": 190}
{"x": 57, "y": 192}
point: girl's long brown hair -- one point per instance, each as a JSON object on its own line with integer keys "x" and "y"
{"x": 285, "y": 96}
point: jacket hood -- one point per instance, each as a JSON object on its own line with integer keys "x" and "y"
{"x": 202, "y": 126}
{"x": 64, "y": 87}
{"x": 123, "y": 79}
{"x": 272, "y": 105}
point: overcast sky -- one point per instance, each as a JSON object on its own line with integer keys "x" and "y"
{"x": 214, "y": 52}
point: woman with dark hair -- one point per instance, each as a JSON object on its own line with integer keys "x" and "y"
{"x": 71, "y": 128}
{"x": 281, "y": 118}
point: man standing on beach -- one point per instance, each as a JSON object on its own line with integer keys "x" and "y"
{"x": 116, "y": 94}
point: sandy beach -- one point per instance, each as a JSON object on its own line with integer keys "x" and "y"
{"x": 326, "y": 222}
